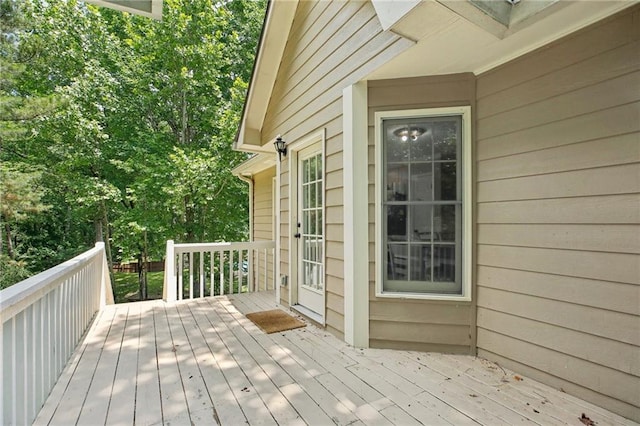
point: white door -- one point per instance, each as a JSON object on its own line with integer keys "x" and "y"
{"x": 309, "y": 234}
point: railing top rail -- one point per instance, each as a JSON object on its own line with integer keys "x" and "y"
{"x": 203, "y": 247}
{"x": 17, "y": 297}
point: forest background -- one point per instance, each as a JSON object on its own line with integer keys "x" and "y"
{"x": 119, "y": 128}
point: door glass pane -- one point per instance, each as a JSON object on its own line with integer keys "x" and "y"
{"x": 312, "y": 169}
{"x": 312, "y": 195}
{"x": 312, "y": 223}
{"x": 307, "y": 248}
{"x": 305, "y": 171}
{"x": 305, "y": 223}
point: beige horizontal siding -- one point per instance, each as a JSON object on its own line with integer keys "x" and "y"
{"x": 602, "y": 38}
{"x": 587, "y": 292}
{"x": 262, "y": 217}
{"x": 529, "y": 364}
{"x": 613, "y": 209}
{"x": 596, "y": 238}
{"x": 331, "y": 45}
{"x": 415, "y": 324}
{"x": 597, "y": 125}
{"x": 558, "y": 193}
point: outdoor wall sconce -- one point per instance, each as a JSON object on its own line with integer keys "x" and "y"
{"x": 281, "y": 147}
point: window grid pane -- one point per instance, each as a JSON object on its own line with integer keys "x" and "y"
{"x": 312, "y": 238}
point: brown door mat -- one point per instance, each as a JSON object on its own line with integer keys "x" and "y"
{"x": 274, "y": 321}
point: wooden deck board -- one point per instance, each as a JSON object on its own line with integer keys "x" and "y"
{"x": 203, "y": 362}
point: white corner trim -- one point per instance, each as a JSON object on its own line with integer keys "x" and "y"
{"x": 467, "y": 203}
{"x": 356, "y": 211}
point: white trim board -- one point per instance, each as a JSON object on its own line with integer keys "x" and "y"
{"x": 467, "y": 204}
{"x": 356, "y": 205}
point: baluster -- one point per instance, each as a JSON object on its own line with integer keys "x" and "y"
{"x": 251, "y": 281}
{"x": 190, "y": 275}
{"x": 201, "y": 255}
{"x": 180, "y": 273}
{"x": 265, "y": 273}
{"x": 211, "y": 273}
{"x": 231, "y": 257}
{"x": 222, "y": 278}
{"x": 240, "y": 270}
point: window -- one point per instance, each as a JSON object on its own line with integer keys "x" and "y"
{"x": 424, "y": 217}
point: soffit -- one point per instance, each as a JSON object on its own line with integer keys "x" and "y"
{"x": 148, "y": 8}
{"x": 255, "y": 164}
{"x": 454, "y": 36}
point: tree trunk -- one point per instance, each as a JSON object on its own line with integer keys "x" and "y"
{"x": 142, "y": 275}
{"x": 7, "y": 231}
{"x": 189, "y": 219}
{"x": 97, "y": 226}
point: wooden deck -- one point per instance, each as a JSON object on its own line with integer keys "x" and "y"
{"x": 202, "y": 362}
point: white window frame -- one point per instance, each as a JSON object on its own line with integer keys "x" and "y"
{"x": 467, "y": 243}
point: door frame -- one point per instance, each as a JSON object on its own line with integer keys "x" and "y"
{"x": 293, "y": 148}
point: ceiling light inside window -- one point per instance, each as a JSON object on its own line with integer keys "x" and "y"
{"x": 406, "y": 133}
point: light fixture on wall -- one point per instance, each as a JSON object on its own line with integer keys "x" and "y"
{"x": 406, "y": 133}
{"x": 281, "y": 147}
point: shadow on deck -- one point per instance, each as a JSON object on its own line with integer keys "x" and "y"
{"x": 203, "y": 362}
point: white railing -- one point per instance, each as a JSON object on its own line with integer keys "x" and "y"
{"x": 43, "y": 319}
{"x": 212, "y": 269}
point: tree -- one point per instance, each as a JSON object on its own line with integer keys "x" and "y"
{"x": 135, "y": 123}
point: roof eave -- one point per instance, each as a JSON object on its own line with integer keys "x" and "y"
{"x": 148, "y": 8}
{"x": 273, "y": 40}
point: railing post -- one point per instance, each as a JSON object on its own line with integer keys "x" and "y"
{"x": 169, "y": 288}
{"x": 106, "y": 291}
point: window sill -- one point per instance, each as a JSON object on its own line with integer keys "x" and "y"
{"x": 430, "y": 297}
